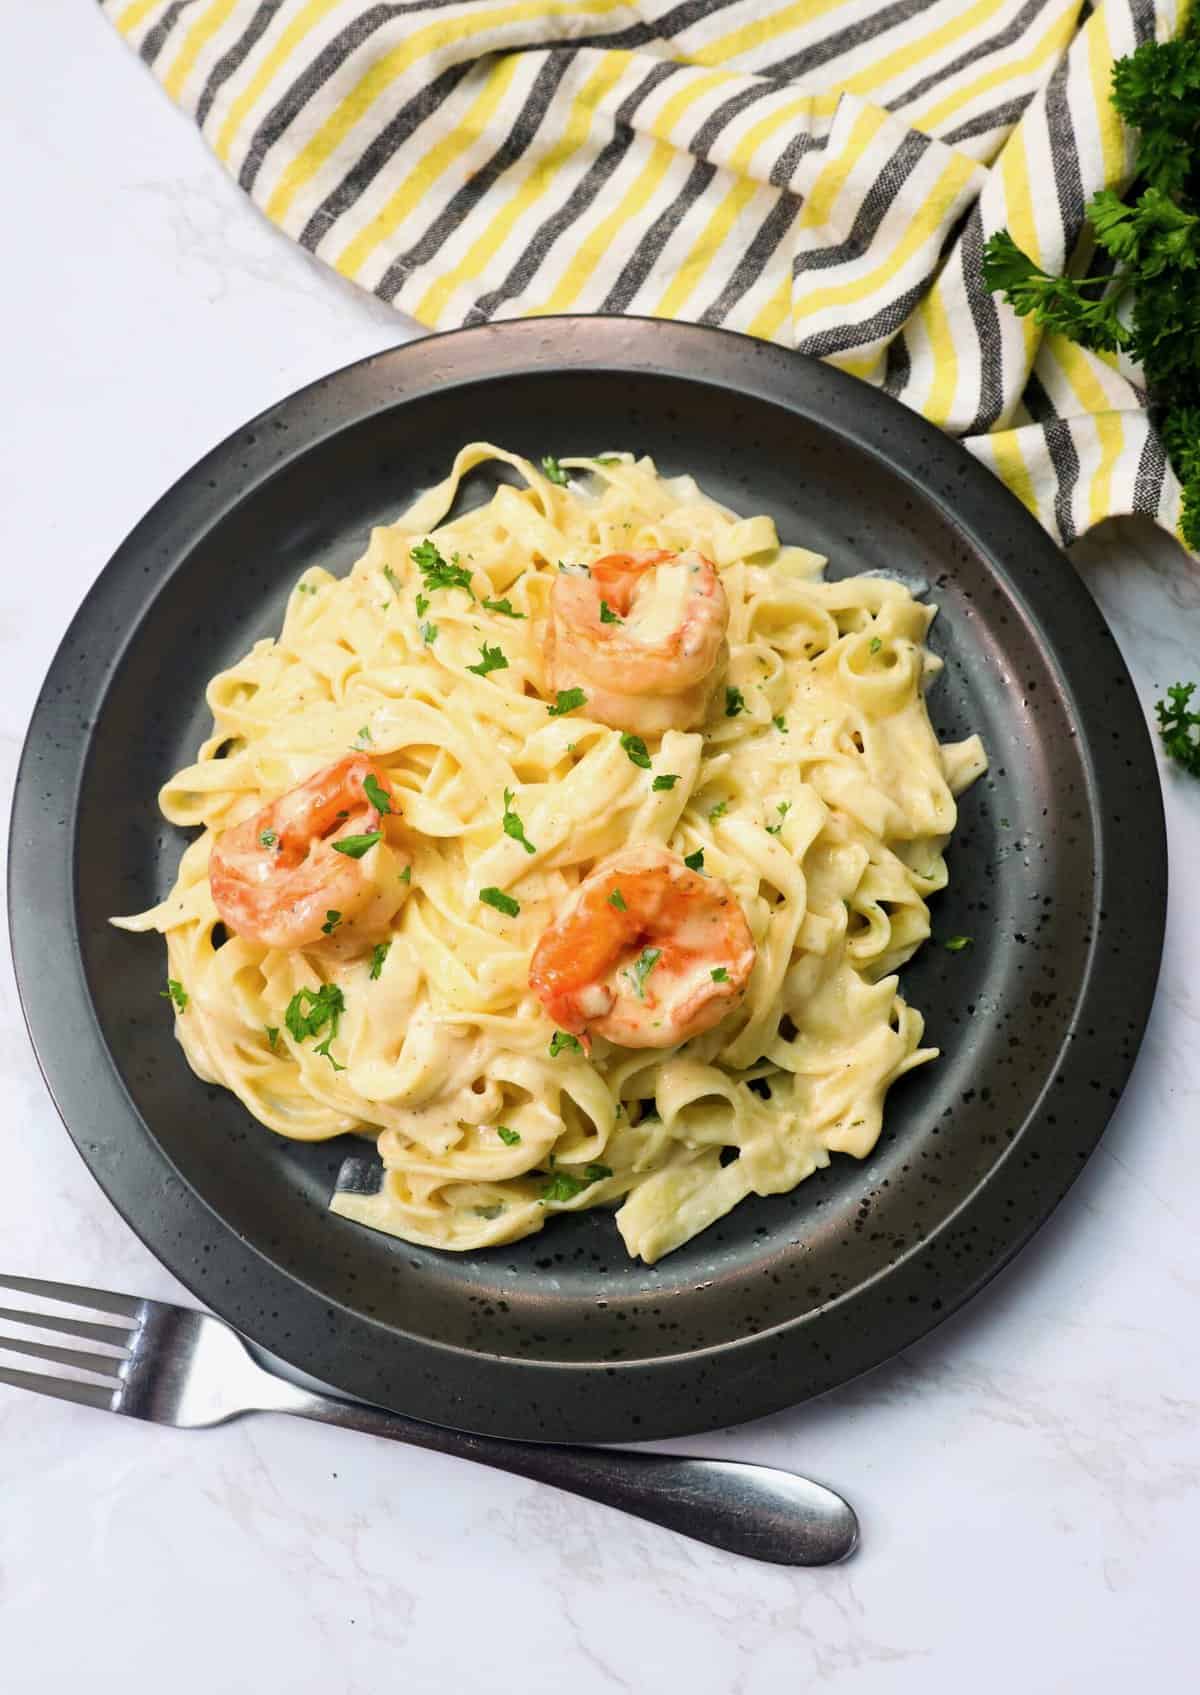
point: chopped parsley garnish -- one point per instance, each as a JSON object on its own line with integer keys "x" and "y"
{"x": 694, "y": 861}
{"x": 272, "y": 1035}
{"x": 718, "y": 811}
{"x": 955, "y": 944}
{"x": 510, "y": 1138}
{"x": 665, "y": 780}
{"x": 1179, "y": 727}
{"x": 393, "y": 579}
{"x": 780, "y": 723}
{"x": 874, "y": 645}
{"x": 376, "y": 794}
{"x": 512, "y": 825}
{"x": 607, "y": 615}
{"x": 422, "y": 605}
{"x": 355, "y": 846}
{"x": 378, "y": 954}
{"x": 617, "y": 899}
{"x": 719, "y": 974}
{"x": 332, "y": 920}
{"x": 784, "y": 807}
{"x": 561, "y": 1040}
{"x": 608, "y": 459}
{"x": 563, "y": 1186}
{"x": 635, "y": 747}
{"x": 308, "y": 1013}
{"x": 493, "y": 1211}
{"x": 641, "y": 968}
{"x": 502, "y": 902}
{"x": 267, "y": 838}
{"x": 406, "y": 874}
{"x": 734, "y": 702}
{"x": 176, "y": 993}
{"x": 437, "y": 573}
{"x": 490, "y": 659}
{"x": 554, "y": 470}
{"x": 569, "y": 700}
{"x": 363, "y": 736}
{"x": 504, "y": 607}
{"x": 429, "y": 634}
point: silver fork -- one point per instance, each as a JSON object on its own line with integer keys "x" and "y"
{"x": 172, "y": 1365}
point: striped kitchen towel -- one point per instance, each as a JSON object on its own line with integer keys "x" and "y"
{"x": 822, "y": 173}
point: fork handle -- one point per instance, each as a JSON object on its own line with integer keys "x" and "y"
{"x": 756, "y": 1510}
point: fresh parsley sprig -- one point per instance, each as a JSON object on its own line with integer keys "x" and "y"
{"x": 1153, "y": 237}
{"x": 1179, "y": 726}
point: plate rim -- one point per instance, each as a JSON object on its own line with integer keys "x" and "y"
{"x": 438, "y": 1377}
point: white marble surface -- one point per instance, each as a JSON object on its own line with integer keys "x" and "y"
{"x": 1027, "y": 1477}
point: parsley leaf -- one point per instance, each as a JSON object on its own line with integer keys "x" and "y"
{"x": 363, "y": 736}
{"x": 635, "y": 747}
{"x": 1057, "y": 303}
{"x": 1179, "y": 727}
{"x": 332, "y": 920}
{"x": 422, "y": 605}
{"x": 554, "y": 470}
{"x": 502, "y": 902}
{"x": 406, "y": 874}
{"x": 175, "y": 993}
{"x": 607, "y": 615}
{"x": 874, "y": 645}
{"x": 378, "y": 954}
{"x": 505, "y": 607}
{"x": 429, "y": 634}
{"x": 308, "y": 1013}
{"x": 272, "y": 1035}
{"x": 955, "y": 944}
{"x": 719, "y": 974}
{"x": 665, "y": 780}
{"x": 780, "y": 723}
{"x": 694, "y": 861}
{"x": 437, "y": 573}
{"x": 734, "y": 702}
{"x": 376, "y": 793}
{"x": 267, "y": 838}
{"x": 490, "y": 659}
{"x": 784, "y": 807}
{"x": 617, "y": 899}
{"x": 512, "y": 825}
{"x": 564, "y": 1186}
{"x": 569, "y": 700}
{"x": 718, "y": 811}
{"x": 355, "y": 846}
{"x": 510, "y": 1138}
{"x": 561, "y": 1040}
{"x": 393, "y": 579}
{"x": 641, "y": 968}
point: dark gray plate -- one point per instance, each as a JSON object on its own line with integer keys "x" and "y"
{"x": 1058, "y": 873}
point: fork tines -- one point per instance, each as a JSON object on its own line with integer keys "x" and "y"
{"x": 114, "y": 1337}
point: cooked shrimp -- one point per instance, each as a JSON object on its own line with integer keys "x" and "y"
{"x": 277, "y": 877}
{"x": 643, "y": 634}
{"x": 647, "y": 954}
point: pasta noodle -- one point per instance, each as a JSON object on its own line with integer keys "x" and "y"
{"x": 815, "y": 788}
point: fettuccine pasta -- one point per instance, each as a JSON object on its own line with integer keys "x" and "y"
{"x": 769, "y": 812}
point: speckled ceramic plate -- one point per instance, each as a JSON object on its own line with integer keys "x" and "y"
{"x": 1058, "y": 872}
